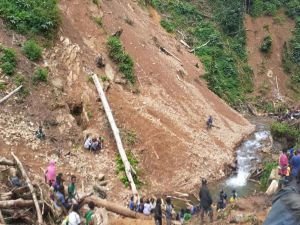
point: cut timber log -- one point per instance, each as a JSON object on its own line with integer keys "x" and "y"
{"x": 35, "y": 200}
{"x": 116, "y": 133}
{"x": 18, "y": 203}
{"x": 6, "y": 162}
{"x": 169, "y": 53}
{"x": 116, "y": 208}
{"x": 10, "y": 94}
{"x": 1, "y": 218}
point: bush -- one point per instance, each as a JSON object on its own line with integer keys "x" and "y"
{"x": 32, "y": 50}
{"x": 120, "y": 170}
{"x": 169, "y": 27}
{"x": 267, "y": 169}
{"x": 8, "y": 61}
{"x": 40, "y": 75}
{"x": 280, "y": 130}
{"x": 31, "y": 16}
{"x": 121, "y": 58}
{"x": 266, "y": 44}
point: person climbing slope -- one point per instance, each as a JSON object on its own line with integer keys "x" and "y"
{"x": 205, "y": 201}
{"x": 209, "y": 123}
{"x": 50, "y": 174}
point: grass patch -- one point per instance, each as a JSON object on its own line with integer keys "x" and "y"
{"x": 96, "y": 2}
{"x": 120, "y": 170}
{"x": 40, "y": 75}
{"x": 32, "y": 50}
{"x": 121, "y": 58}
{"x": 264, "y": 179}
{"x": 8, "y": 61}
{"x": 266, "y": 45}
{"x": 129, "y": 137}
{"x": 224, "y": 56}
{"x": 39, "y": 17}
{"x": 281, "y": 130}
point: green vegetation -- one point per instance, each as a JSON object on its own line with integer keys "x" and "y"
{"x": 219, "y": 42}
{"x": 8, "y": 60}
{"x": 281, "y": 130}
{"x": 96, "y": 2}
{"x": 19, "y": 79}
{"x": 40, "y": 75}
{"x": 121, "y": 58}
{"x": 129, "y": 137}
{"x": 120, "y": 170}
{"x": 291, "y": 56}
{"x": 168, "y": 26}
{"x": 32, "y": 50}
{"x": 264, "y": 179}
{"x": 266, "y": 44}
{"x": 31, "y": 16}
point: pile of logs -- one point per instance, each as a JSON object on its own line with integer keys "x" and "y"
{"x": 22, "y": 204}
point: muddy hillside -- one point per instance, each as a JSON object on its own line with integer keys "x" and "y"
{"x": 163, "y": 115}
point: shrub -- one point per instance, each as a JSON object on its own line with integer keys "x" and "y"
{"x": 98, "y": 20}
{"x": 40, "y": 75}
{"x": 168, "y": 26}
{"x": 8, "y": 61}
{"x": 32, "y": 50}
{"x": 280, "y": 130}
{"x": 267, "y": 169}
{"x": 120, "y": 169}
{"x": 266, "y": 44}
{"x": 121, "y": 58}
{"x": 31, "y": 16}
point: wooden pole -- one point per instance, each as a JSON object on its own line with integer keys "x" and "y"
{"x": 11, "y": 93}
{"x": 6, "y": 162}
{"x": 116, "y": 133}
{"x": 116, "y": 208}
{"x": 18, "y": 203}
{"x": 35, "y": 200}
{"x": 2, "y": 221}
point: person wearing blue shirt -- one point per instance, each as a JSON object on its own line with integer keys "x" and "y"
{"x": 295, "y": 163}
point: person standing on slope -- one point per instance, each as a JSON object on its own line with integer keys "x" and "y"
{"x": 205, "y": 201}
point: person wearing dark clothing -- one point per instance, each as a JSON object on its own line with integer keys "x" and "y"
{"x": 205, "y": 201}
{"x": 209, "y": 122}
{"x": 285, "y": 206}
{"x": 222, "y": 200}
{"x": 58, "y": 182}
{"x": 295, "y": 163}
{"x": 158, "y": 212}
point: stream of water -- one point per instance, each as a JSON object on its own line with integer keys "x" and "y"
{"x": 248, "y": 156}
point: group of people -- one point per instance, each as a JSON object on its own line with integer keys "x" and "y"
{"x": 93, "y": 144}
{"x": 70, "y": 201}
{"x": 289, "y": 165}
{"x": 154, "y": 207}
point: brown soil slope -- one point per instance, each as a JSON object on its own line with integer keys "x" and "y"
{"x": 169, "y": 112}
{"x": 268, "y": 67}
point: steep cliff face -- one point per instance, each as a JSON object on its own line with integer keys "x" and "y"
{"x": 169, "y": 111}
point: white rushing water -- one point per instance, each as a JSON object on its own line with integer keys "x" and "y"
{"x": 246, "y": 153}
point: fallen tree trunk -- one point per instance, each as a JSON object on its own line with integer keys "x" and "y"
{"x": 116, "y": 208}
{"x": 10, "y": 94}
{"x": 18, "y": 203}
{"x": 2, "y": 218}
{"x": 6, "y": 162}
{"x": 35, "y": 200}
{"x": 116, "y": 133}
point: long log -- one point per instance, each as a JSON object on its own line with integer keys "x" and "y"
{"x": 10, "y": 94}
{"x": 18, "y": 203}
{"x": 6, "y": 162}
{"x": 116, "y": 133}
{"x": 35, "y": 200}
{"x": 116, "y": 208}
{"x": 2, "y": 221}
